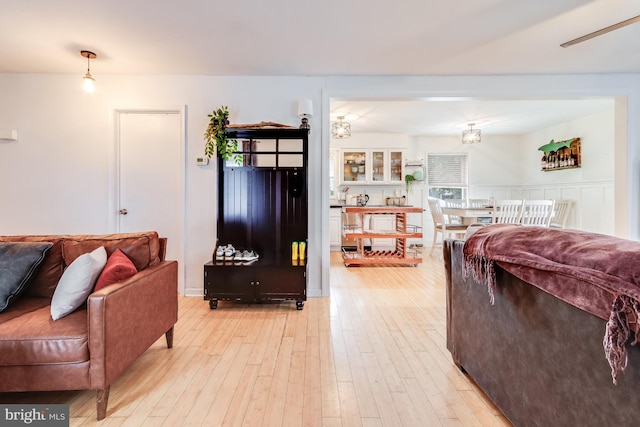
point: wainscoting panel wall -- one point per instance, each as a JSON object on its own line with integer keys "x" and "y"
{"x": 593, "y": 203}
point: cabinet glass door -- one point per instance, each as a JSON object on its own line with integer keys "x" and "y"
{"x": 377, "y": 166}
{"x": 354, "y": 166}
{"x": 396, "y": 166}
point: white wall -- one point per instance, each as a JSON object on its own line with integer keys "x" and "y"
{"x": 596, "y": 133}
{"x": 508, "y": 167}
{"x": 591, "y": 187}
{"x": 373, "y": 140}
{"x": 495, "y": 160}
{"x": 56, "y": 178}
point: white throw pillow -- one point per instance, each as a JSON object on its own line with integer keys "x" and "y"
{"x": 77, "y": 282}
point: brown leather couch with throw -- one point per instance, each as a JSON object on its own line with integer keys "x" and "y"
{"x": 536, "y": 355}
{"x": 91, "y": 346}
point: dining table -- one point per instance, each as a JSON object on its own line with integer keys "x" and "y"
{"x": 469, "y": 215}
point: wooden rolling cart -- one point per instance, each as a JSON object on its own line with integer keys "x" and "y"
{"x": 403, "y": 231}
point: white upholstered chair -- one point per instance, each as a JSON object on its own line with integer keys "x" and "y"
{"x": 537, "y": 212}
{"x": 507, "y": 211}
{"x": 560, "y": 214}
{"x": 441, "y": 225}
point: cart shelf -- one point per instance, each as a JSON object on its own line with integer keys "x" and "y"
{"x": 402, "y": 232}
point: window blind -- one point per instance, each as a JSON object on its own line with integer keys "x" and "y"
{"x": 447, "y": 170}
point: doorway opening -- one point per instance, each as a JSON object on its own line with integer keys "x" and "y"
{"x": 504, "y": 164}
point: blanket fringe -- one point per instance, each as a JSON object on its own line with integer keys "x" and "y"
{"x": 483, "y": 271}
{"x": 624, "y": 320}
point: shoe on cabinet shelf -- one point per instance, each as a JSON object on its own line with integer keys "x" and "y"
{"x": 229, "y": 252}
{"x": 250, "y": 256}
{"x": 240, "y": 256}
{"x": 246, "y": 255}
{"x": 219, "y": 254}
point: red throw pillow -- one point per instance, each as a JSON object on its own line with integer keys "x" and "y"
{"x": 119, "y": 267}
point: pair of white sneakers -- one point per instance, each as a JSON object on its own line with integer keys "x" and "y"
{"x": 229, "y": 253}
{"x": 225, "y": 252}
{"x": 245, "y": 256}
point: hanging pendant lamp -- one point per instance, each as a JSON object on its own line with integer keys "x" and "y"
{"x": 340, "y": 129}
{"x": 471, "y": 135}
{"x": 88, "y": 78}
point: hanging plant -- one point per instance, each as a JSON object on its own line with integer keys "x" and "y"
{"x": 408, "y": 180}
{"x": 216, "y": 136}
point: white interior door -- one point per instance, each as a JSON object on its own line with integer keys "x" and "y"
{"x": 150, "y": 187}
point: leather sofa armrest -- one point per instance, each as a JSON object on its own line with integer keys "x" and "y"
{"x": 126, "y": 318}
{"x": 452, "y": 255}
{"x": 163, "y": 248}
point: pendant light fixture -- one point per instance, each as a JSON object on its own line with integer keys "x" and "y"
{"x": 88, "y": 78}
{"x": 471, "y": 135}
{"x": 340, "y": 129}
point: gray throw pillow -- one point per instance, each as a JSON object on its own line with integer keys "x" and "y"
{"x": 18, "y": 263}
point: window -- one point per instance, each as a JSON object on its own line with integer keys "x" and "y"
{"x": 447, "y": 176}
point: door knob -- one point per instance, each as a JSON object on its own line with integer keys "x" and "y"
{"x": 123, "y": 212}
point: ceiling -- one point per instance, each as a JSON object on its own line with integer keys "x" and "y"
{"x": 320, "y": 38}
{"x": 446, "y": 117}
{"x": 329, "y": 37}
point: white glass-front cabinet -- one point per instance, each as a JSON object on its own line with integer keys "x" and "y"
{"x": 378, "y": 166}
{"x": 354, "y": 166}
{"x": 372, "y": 166}
{"x": 396, "y": 167}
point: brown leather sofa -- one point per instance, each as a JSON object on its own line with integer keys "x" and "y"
{"x": 92, "y": 346}
{"x": 538, "y": 358}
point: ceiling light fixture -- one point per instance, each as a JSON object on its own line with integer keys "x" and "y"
{"x": 471, "y": 135}
{"x": 340, "y": 129}
{"x": 88, "y": 78}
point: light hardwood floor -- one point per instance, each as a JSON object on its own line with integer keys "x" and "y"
{"x": 372, "y": 354}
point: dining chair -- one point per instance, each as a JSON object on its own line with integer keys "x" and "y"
{"x": 441, "y": 224}
{"x": 478, "y": 203}
{"x": 453, "y": 203}
{"x": 560, "y": 213}
{"x": 507, "y": 212}
{"x": 537, "y": 212}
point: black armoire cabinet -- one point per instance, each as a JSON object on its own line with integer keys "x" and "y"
{"x": 262, "y": 206}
